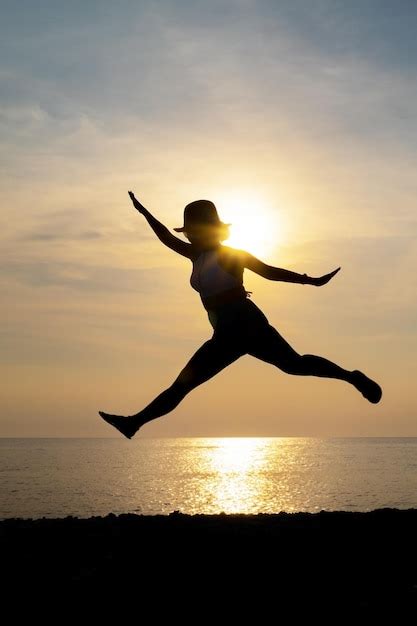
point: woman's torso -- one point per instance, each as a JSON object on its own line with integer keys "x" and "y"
{"x": 215, "y": 271}
{"x": 218, "y": 272}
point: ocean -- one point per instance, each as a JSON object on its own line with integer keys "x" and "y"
{"x": 90, "y": 477}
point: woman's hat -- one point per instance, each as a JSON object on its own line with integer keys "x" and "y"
{"x": 200, "y": 213}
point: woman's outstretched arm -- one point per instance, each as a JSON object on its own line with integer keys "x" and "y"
{"x": 162, "y": 231}
{"x": 277, "y": 273}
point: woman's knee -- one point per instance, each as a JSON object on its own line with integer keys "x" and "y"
{"x": 294, "y": 364}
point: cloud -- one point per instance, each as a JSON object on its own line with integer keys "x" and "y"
{"x": 63, "y": 225}
{"x": 82, "y": 277}
{"x": 51, "y": 236}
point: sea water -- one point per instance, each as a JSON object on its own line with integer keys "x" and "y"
{"x": 86, "y": 477}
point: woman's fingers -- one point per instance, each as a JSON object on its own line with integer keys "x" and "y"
{"x": 331, "y": 274}
{"x": 322, "y": 280}
{"x": 132, "y": 197}
{"x": 136, "y": 203}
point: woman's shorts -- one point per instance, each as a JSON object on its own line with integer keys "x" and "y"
{"x": 239, "y": 322}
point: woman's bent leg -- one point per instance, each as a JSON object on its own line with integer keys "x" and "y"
{"x": 274, "y": 349}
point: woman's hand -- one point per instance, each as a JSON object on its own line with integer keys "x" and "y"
{"x": 138, "y": 206}
{"x": 322, "y": 280}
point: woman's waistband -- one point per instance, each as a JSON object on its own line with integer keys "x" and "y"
{"x": 230, "y": 295}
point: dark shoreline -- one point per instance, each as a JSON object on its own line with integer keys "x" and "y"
{"x": 363, "y": 560}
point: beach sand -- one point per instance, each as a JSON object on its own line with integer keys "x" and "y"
{"x": 364, "y": 562}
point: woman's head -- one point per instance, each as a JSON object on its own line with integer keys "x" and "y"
{"x": 202, "y": 225}
{"x": 207, "y": 234}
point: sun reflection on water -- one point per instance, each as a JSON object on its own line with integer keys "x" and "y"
{"x": 236, "y": 465}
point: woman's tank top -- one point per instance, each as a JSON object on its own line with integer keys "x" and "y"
{"x": 209, "y": 278}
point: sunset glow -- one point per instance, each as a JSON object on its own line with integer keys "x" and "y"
{"x": 298, "y": 123}
{"x": 254, "y": 226}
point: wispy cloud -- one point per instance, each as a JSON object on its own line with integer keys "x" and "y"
{"x": 43, "y": 236}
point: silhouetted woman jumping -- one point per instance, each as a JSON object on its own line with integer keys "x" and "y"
{"x": 240, "y": 327}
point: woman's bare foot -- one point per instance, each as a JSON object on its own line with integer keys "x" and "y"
{"x": 126, "y": 424}
{"x": 368, "y": 388}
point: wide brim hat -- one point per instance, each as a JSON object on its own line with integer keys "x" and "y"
{"x": 200, "y": 213}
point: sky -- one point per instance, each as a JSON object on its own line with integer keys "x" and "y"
{"x": 298, "y": 119}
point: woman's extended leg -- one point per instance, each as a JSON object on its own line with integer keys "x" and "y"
{"x": 213, "y": 356}
{"x": 274, "y": 349}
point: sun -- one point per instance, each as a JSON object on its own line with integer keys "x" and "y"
{"x": 255, "y": 227}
